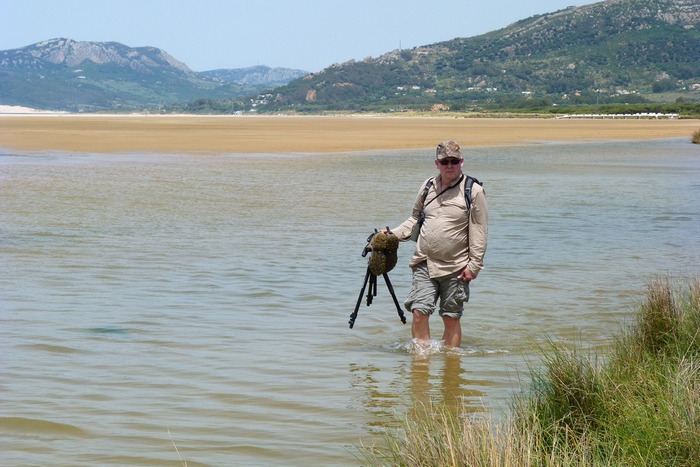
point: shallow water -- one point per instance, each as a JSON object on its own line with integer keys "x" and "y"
{"x": 166, "y": 307}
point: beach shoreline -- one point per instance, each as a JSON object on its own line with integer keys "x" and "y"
{"x": 207, "y": 134}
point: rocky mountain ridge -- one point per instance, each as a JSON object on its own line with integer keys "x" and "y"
{"x": 64, "y": 74}
{"x": 70, "y": 53}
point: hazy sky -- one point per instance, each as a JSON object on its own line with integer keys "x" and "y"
{"x": 304, "y": 34}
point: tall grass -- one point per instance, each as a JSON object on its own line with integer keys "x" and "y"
{"x": 637, "y": 405}
{"x": 696, "y": 137}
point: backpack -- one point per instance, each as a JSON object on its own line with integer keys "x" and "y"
{"x": 469, "y": 181}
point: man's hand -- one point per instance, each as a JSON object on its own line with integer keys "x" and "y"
{"x": 466, "y": 275}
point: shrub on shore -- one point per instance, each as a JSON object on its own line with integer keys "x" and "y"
{"x": 638, "y": 405}
{"x": 696, "y": 137}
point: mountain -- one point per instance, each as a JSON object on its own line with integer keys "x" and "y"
{"x": 255, "y": 76}
{"x": 615, "y": 51}
{"x": 62, "y": 74}
{"x": 611, "y": 51}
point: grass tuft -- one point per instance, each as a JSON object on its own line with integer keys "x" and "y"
{"x": 640, "y": 405}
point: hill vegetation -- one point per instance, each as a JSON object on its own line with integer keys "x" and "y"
{"x": 613, "y": 53}
{"x": 618, "y": 51}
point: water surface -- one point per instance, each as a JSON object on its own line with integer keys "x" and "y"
{"x": 201, "y": 302}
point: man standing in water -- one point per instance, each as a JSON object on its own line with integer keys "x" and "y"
{"x": 450, "y": 245}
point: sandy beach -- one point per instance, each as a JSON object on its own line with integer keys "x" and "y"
{"x": 300, "y": 134}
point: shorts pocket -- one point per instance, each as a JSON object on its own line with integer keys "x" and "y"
{"x": 465, "y": 293}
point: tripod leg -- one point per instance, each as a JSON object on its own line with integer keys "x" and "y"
{"x": 393, "y": 295}
{"x": 353, "y": 316}
{"x": 372, "y": 292}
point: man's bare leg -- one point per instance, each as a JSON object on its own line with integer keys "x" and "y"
{"x": 453, "y": 332}
{"x": 420, "y": 327}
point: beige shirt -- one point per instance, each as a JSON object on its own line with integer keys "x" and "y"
{"x": 448, "y": 241}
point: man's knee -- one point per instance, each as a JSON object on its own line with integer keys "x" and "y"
{"x": 450, "y": 320}
{"x": 420, "y": 315}
{"x": 453, "y": 315}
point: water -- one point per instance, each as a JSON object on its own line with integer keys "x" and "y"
{"x": 166, "y": 307}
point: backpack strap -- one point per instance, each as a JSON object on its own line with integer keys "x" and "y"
{"x": 469, "y": 181}
{"x": 427, "y": 189}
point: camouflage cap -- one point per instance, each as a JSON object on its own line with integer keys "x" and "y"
{"x": 448, "y": 149}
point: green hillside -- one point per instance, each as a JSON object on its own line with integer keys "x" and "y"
{"x": 618, "y": 51}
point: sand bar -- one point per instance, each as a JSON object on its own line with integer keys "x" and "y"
{"x": 295, "y": 134}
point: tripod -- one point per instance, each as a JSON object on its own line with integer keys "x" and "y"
{"x": 371, "y": 279}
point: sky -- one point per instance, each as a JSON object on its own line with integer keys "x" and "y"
{"x": 307, "y": 35}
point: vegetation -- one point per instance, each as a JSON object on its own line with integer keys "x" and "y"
{"x": 696, "y": 137}
{"x": 607, "y": 53}
{"x": 640, "y": 405}
{"x": 683, "y": 110}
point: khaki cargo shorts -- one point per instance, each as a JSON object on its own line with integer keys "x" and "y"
{"x": 425, "y": 292}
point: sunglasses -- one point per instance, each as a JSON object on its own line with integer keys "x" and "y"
{"x": 450, "y": 161}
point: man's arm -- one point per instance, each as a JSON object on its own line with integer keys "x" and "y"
{"x": 478, "y": 234}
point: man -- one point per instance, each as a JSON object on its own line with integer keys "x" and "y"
{"x": 450, "y": 246}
